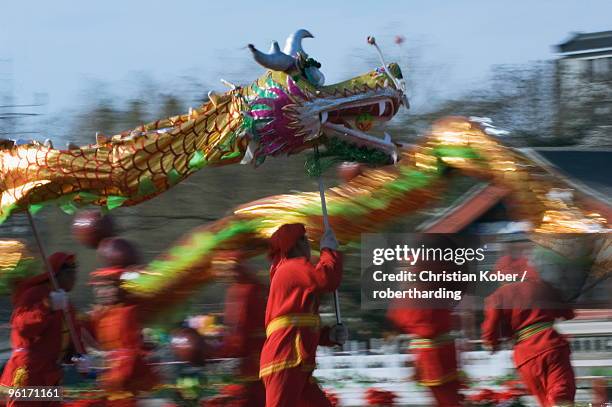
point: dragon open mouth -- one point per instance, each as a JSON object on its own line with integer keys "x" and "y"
{"x": 350, "y": 121}
{"x": 342, "y": 113}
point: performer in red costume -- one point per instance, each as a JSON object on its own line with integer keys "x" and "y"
{"x": 293, "y": 326}
{"x": 115, "y": 326}
{"x": 40, "y": 337}
{"x": 430, "y": 322}
{"x": 244, "y": 319}
{"x": 526, "y": 311}
{"x": 434, "y": 348}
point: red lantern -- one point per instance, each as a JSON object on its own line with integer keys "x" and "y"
{"x": 349, "y": 170}
{"x": 90, "y": 227}
{"x": 332, "y": 398}
{"x": 188, "y": 346}
{"x": 380, "y": 397}
{"x": 118, "y": 252}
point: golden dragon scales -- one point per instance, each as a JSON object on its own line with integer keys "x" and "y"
{"x": 285, "y": 111}
{"x": 370, "y": 203}
{"x": 380, "y": 196}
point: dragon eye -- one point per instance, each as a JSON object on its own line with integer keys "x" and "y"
{"x": 314, "y": 76}
{"x": 310, "y": 70}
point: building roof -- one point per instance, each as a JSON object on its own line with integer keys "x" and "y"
{"x": 584, "y": 170}
{"x": 587, "y": 166}
{"x": 466, "y": 210}
{"x": 586, "y": 42}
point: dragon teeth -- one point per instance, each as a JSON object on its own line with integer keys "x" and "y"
{"x": 323, "y": 117}
{"x": 387, "y": 138}
{"x": 381, "y": 108}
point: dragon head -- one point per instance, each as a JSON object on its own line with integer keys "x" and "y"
{"x": 289, "y": 108}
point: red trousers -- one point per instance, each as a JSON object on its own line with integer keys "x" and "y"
{"x": 550, "y": 377}
{"x": 293, "y": 388}
{"x": 255, "y": 395}
{"x": 447, "y": 394}
{"x": 23, "y": 370}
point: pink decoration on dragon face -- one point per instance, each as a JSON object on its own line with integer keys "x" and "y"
{"x": 285, "y": 111}
{"x": 277, "y": 135}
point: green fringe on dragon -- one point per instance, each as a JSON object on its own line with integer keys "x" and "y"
{"x": 286, "y": 111}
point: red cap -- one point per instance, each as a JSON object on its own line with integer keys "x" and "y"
{"x": 107, "y": 275}
{"x": 56, "y": 261}
{"x": 284, "y": 239}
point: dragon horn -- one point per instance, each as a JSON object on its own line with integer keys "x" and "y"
{"x": 293, "y": 45}
{"x": 275, "y": 60}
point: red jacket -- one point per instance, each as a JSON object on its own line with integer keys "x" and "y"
{"x": 430, "y": 321}
{"x": 117, "y": 330}
{"x": 244, "y": 317}
{"x": 525, "y": 310}
{"x": 292, "y": 315}
{"x": 40, "y": 339}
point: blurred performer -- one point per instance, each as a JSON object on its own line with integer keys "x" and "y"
{"x": 431, "y": 322}
{"x": 293, "y": 328}
{"x": 527, "y": 311}
{"x": 244, "y": 319}
{"x": 434, "y": 349}
{"x": 40, "y": 337}
{"x": 115, "y": 326}
{"x": 516, "y": 258}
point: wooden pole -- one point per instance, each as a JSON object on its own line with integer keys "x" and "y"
{"x": 67, "y": 318}
{"x": 327, "y": 226}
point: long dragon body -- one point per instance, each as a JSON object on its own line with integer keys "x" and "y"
{"x": 286, "y": 111}
{"x": 380, "y": 196}
{"x": 283, "y": 112}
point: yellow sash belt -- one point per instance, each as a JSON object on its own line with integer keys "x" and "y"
{"x": 293, "y": 320}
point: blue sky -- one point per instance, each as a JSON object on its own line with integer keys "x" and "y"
{"x": 56, "y": 47}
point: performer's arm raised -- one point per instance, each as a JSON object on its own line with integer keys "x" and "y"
{"x": 328, "y": 271}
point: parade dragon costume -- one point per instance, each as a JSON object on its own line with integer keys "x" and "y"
{"x": 286, "y": 111}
